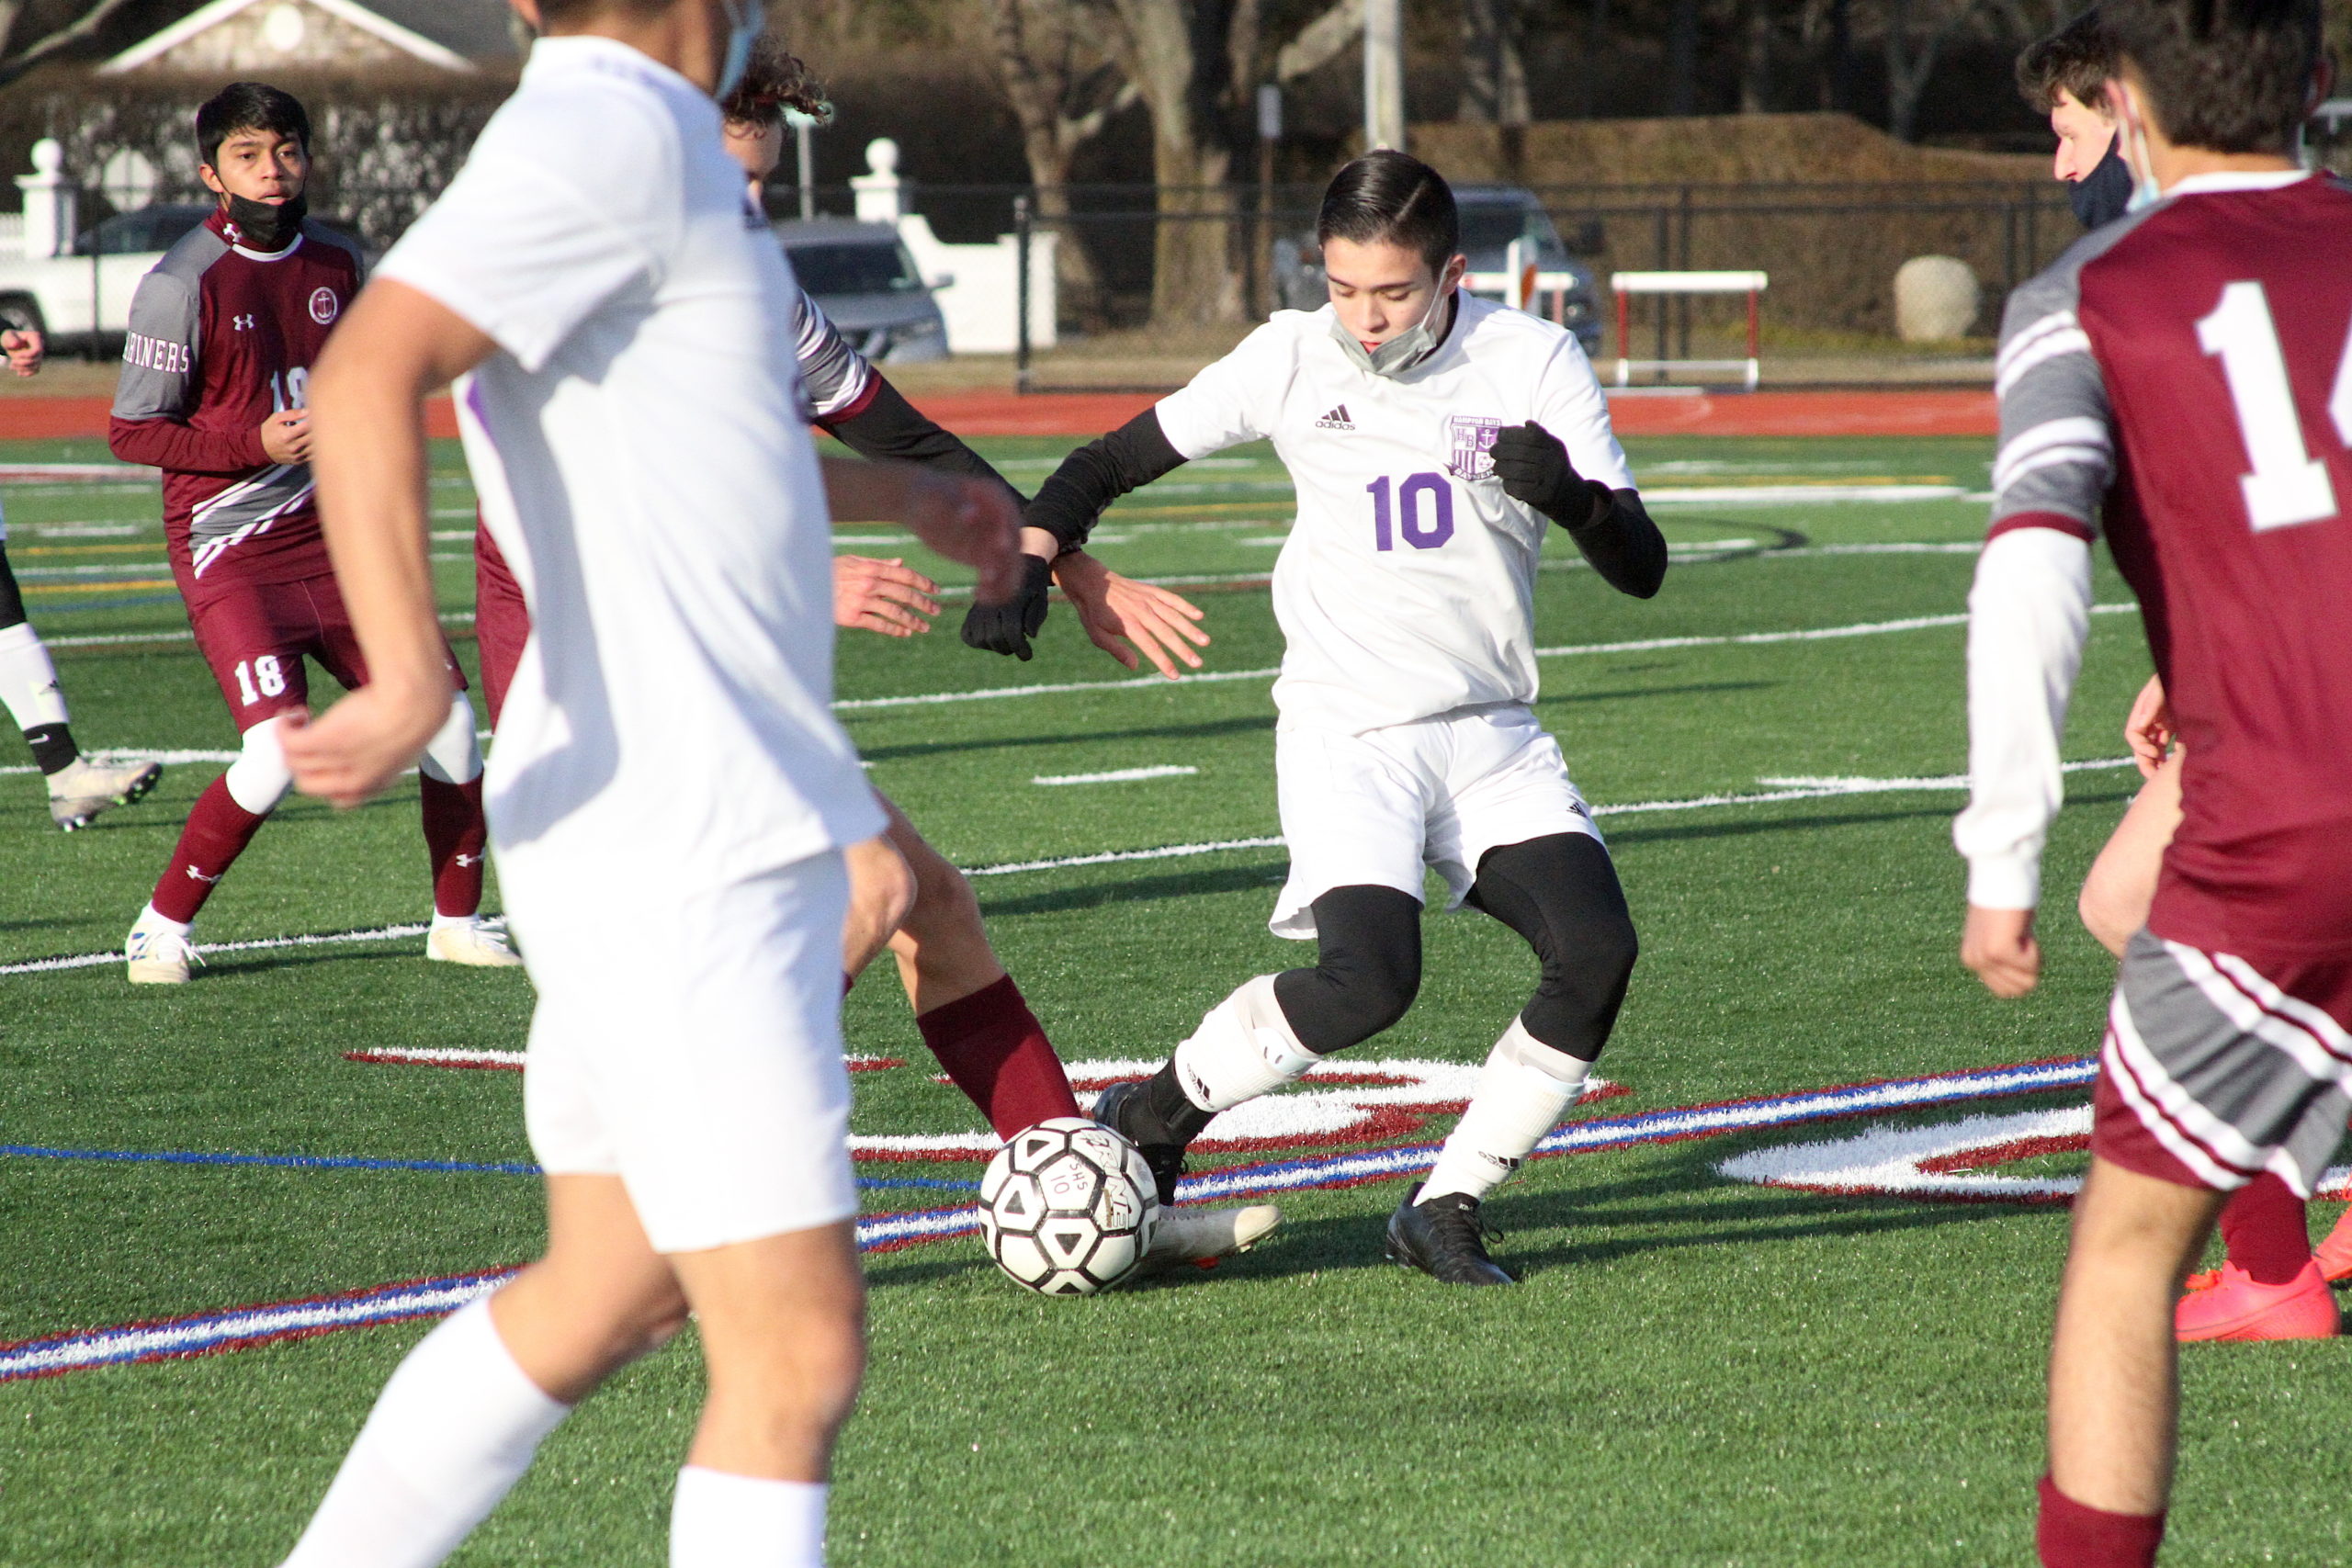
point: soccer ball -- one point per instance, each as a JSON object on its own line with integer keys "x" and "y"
{"x": 1068, "y": 1207}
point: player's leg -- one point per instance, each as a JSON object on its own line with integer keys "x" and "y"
{"x": 881, "y": 892}
{"x": 971, "y": 1013}
{"x": 1559, "y": 892}
{"x": 2265, "y": 1227}
{"x": 79, "y": 789}
{"x": 222, "y": 823}
{"x": 1353, "y": 816}
{"x": 501, "y": 620}
{"x": 460, "y": 1421}
{"x": 2114, "y": 1386}
{"x": 448, "y": 789}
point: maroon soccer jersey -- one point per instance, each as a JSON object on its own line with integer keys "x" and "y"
{"x": 2182, "y": 380}
{"x": 221, "y": 337}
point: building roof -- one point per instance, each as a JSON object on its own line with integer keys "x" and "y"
{"x": 454, "y": 35}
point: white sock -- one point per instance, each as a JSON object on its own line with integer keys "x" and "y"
{"x": 453, "y": 755}
{"x": 453, "y": 1430}
{"x": 1243, "y": 1047}
{"x": 154, "y": 919}
{"x": 27, "y": 680}
{"x": 440, "y": 919}
{"x": 740, "y": 1521}
{"x": 1523, "y": 1090}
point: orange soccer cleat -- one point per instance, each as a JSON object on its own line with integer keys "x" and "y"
{"x": 2236, "y": 1307}
{"x": 2333, "y": 1254}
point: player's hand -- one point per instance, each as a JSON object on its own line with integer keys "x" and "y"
{"x": 1998, "y": 946}
{"x": 1006, "y": 625}
{"x": 286, "y": 436}
{"x": 1535, "y": 471}
{"x": 349, "y": 753}
{"x": 25, "y": 350}
{"x": 970, "y": 520}
{"x": 885, "y": 596}
{"x": 1115, "y": 609}
{"x": 2149, "y": 730}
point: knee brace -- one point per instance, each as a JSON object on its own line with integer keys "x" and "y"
{"x": 1561, "y": 894}
{"x": 453, "y": 756}
{"x": 1368, "y": 969}
{"x": 259, "y": 778}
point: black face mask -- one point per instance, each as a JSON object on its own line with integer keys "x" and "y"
{"x": 2103, "y": 195}
{"x": 261, "y": 227}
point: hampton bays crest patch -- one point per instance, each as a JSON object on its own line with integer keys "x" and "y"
{"x": 1471, "y": 437}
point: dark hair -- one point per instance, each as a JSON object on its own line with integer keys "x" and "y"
{"x": 2225, "y": 75}
{"x": 249, "y": 105}
{"x": 551, "y": 11}
{"x": 1388, "y": 198}
{"x": 775, "y": 80}
{"x": 2077, "y": 59}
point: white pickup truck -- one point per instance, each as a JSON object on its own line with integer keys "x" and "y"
{"x": 82, "y": 299}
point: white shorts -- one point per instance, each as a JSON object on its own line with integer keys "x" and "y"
{"x": 1374, "y": 809}
{"x": 693, "y": 1048}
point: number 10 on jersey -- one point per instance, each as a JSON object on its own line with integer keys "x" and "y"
{"x": 1400, "y": 509}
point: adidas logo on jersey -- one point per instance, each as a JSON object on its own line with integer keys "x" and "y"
{"x": 1336, "y": 419}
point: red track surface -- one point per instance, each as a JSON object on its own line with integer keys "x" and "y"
{"x": 1932, "y": 412}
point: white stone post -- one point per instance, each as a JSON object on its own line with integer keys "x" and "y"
{"x": 52, "y": 203}
{"x": 881, "y": 194}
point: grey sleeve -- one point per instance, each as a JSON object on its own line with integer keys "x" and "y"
{"x": 836, "y": 375}
{"x": 2056, "y": 457}
{"x": 159, "y": 353}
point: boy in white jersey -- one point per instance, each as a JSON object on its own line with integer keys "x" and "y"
{"x": 1433, "y": 439}
{"x": 607, "y": 303}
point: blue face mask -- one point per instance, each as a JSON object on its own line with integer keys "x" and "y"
{"x": 745, "y": 22}
{"x": 2104, "y": 194}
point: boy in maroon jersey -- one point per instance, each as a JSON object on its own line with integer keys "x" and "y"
{"x": 2182, "y": 380}
{"x": 223, "y": 333}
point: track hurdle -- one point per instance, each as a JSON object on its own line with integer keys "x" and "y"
{"x": 1628, "y": 284}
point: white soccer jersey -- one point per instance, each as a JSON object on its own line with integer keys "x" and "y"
{"x": 1408, "y": 587}
{"x": 643, "y": 466}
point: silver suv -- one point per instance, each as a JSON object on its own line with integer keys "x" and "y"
{"x": 862, "y": 278}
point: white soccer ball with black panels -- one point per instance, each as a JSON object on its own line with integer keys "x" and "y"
{"x": 1068, "y": 1207}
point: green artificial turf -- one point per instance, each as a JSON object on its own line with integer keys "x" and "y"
{"x": 1697, "y": 1371}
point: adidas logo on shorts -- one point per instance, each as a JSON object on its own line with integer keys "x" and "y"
{"x": 1336, "y": 419}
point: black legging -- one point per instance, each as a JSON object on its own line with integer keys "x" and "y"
{"x": 1560, "y": 893}
{"x": 12, "y": 602}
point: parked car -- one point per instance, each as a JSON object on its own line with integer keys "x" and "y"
{"x": 864, "y": 280}
{"x": 82, "y": 300}
{"x": 1492, "y": 217}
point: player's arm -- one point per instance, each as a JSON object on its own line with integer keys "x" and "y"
{"x": 395, "y": 344}
{"x": 1059, "y": 519}
{"x": 2028, "y": 617}
{"x": 963, "y": 519}
{"x": 1612, "y": 528}
{"x": 159, "y": 387}
{"x": 21, "y": 342}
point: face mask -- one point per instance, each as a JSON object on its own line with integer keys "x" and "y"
{"x": 261, "y": 227}
{"x": 2131, "y": 137}
{"x": 1400, "y": 353}
{"x": 746, "y": 21}
{"x": 2104, "y": 194}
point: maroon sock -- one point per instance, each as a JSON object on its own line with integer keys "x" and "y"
{"x": 992, "y": 1046}
{"x": 218, "y": 831}
{"x": 454, "y": 834}
{"x": 2264, "y": 1228}
{"x": 2075, "y": 1535}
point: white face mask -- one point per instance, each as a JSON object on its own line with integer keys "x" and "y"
{"x": 746, "y": 21}
{"x": 2131, "y": 143}
{"x": 1404, "y": 351}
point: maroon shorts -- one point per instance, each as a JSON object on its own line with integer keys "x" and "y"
{"x": 501, "y": 620}
{"x": 255, "y": 636}
{"x": 2215, "y": 1070}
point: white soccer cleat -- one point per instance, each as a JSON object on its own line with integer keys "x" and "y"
{"x": 79, "y": 793}
{"x": 476, "y": 942}
{"x": 1201, "y": 1236}
{"x": 159, "y": 955}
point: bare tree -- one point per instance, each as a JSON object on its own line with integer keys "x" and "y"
{"x": 1064, "y": 88}
{"x": 33, "y": 32}
{"x": 1915, "y": 33}
{"x": 1494, "y": 70}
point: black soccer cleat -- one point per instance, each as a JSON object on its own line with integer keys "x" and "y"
{"x": 1445, "y": 1239}
{"x": 1123, "y": 1108}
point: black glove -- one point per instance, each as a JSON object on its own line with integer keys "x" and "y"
{"x": 1535, "y": 470}
{"x": 1007, "y": 628}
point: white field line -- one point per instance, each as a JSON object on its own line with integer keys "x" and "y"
{"x": 1117, "y": 775}
{"x": 1570, "y": 650}
{"x": 116, "y": 640}
{"x": 1811, "y": 790}
{"x": 1796, "y": 495}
